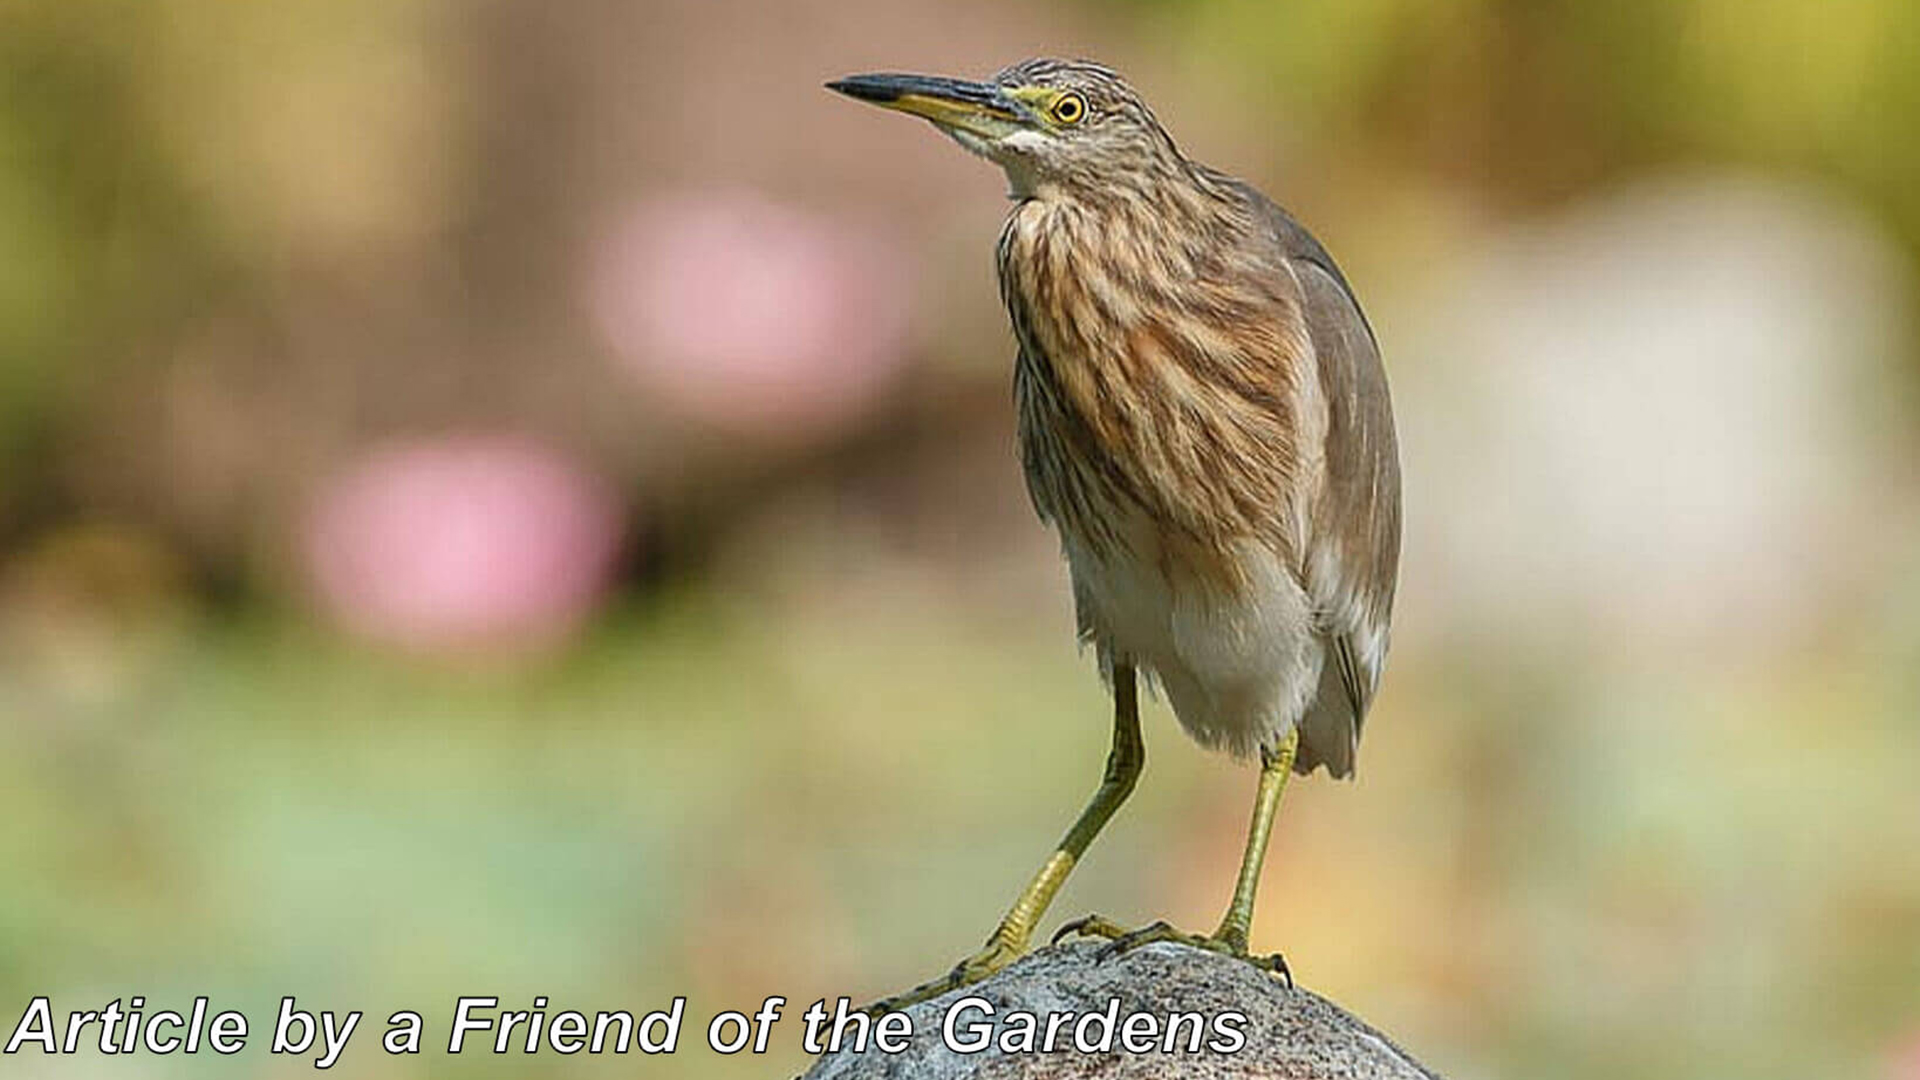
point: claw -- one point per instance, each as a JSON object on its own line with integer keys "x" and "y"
{"x": 1278, "y": 965}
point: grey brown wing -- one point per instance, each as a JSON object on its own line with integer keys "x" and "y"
{"x": 1353, "y": 548}
{"x": 1353, "y": 553}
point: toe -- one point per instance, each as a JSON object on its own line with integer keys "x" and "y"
{"x": 1084, "y": 925}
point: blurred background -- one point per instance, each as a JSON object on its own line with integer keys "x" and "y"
{"x": 518, "y": 498}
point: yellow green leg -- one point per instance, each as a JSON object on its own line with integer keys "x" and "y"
{"x": 1231, "y": 938}
{"x": 1010, "y": 939}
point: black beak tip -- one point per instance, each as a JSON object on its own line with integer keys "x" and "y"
{"x": 866, "y": 88}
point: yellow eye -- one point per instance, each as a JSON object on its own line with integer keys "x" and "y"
{"x": 1070, "y": 109}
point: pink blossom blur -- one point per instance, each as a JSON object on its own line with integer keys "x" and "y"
{"x": 460, "y": 542}
{"x": 756, "y": 318}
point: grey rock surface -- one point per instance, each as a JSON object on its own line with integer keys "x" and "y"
{"x": 1293, "y": 1034}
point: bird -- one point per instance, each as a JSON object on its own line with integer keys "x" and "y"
{"x": 1205, "y": 421}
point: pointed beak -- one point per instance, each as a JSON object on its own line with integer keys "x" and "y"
{"x": 980, "y": 108}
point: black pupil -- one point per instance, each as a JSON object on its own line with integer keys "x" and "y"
{"x": 1069, "y": 109}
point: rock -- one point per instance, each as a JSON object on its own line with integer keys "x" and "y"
{"x": 1293, "y": 1034}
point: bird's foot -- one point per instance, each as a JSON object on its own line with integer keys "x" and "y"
{"x": 1000, "y": 951}
{"x": 1226, "y": 941}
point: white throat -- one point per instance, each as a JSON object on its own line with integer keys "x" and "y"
{"x": 1014, "y": 153}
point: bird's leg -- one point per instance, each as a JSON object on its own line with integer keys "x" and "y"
{"x": 1231, "y": 938}
{"x": 1275, "y": 766}
{"x": 1125, "y": 760}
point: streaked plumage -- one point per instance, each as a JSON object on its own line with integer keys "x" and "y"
{"x": 1204, "y": 419}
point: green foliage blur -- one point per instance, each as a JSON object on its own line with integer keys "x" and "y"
{"x": 816, "y": 711}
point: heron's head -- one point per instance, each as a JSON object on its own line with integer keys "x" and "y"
{"x": 1063, "y": 123}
